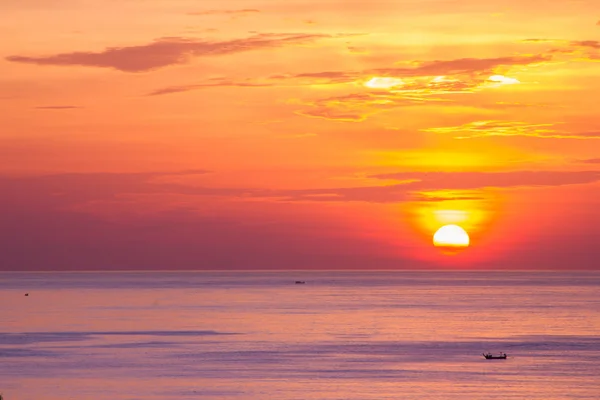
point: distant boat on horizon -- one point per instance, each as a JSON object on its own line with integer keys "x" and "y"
{"x": 490, "y": 356}
{"x": 300, "y": 282}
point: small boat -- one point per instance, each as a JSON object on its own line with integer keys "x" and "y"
{"x": 300, "y": 282}
{"x": 490, "y": 356}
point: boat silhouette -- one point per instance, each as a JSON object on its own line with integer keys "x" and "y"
{"x": 490, "y": 356}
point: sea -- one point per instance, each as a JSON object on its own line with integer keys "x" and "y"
{"x": 260, "y": 335}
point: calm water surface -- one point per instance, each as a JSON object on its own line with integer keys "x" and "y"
{"x": 257, "y": 335}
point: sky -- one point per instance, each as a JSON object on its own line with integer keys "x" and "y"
{"x": 298, "y": 134}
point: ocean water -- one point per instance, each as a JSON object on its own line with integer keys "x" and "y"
{"x": 257, "y": 335}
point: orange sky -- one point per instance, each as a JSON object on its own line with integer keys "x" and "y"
{"x": 180, "y": 134}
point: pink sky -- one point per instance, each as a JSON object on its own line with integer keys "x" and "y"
{"x": 177, "y": 134}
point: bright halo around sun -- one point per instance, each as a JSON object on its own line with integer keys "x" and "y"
{"x": 451, "y": 238}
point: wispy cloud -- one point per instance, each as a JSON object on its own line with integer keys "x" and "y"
{"x": 388, "y": 88}
{"x": 211, "y": 83}
{"x": 479, "y": 180}
{"x": 462, "y": 66}
{"x": 354, "y": 107}
{"x": 541, "y": 40}
{"x": 166, "y": 51}
{"x": 593, "y": 44}
{"x": 415, "y": 186}
{"x": 244, "y": 11}
{"x": 419, "y": 80}
{"x": 575, "y": 50}
{"x": 93, "y": 187}
{"x": 56, "y": 107}
{"x": 479, "y": 129}
{"x": 84, "y": 192}
{"x": 591, "y": 161}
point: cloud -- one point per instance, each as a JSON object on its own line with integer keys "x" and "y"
{"x": 212, "y": 83}
{"x": 503, "y": 105}
{"x": 326, "y": 76}
{"x": 69, "y": 190}
{"x": 388, "y": 88}
{"x": 354, "y": 107}
{"x": 166, "y": 51}
{"x": 479, "y": 129}
{"x": 414, "y": 184}
{"x": 567, "y": 46}
{"x": 56, "y": 107}
{"x": 593, "y": 44}
{"x": 78, "y": 188}
{"x": 462, "y": 66}
{"x": 479, "y": 180}
{"x": 244, "y": 11}
{"x": 591, "y": 161}
{"x": 415, "y": 84}
{"x": 102, "y": 221}
{"x": 107, "y": 220}
{"x": 572, "y": 50}
{"x": 438, "y": 196}
{"x": 418, "y": 84}
{"x": 541, "y": 40}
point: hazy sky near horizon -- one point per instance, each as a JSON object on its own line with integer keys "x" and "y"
{"x": 238, "y": 134}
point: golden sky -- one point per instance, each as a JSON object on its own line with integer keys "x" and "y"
{"x": 179, "y": 134}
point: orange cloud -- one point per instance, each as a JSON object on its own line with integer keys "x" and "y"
{"x": 355, "y": 107}
{"x": 594, "y": 44}
{"x": 588, "y": 49}
{"x": 479, "y": 180}
{"x": 426, "y": 79}
{"x": 218, "y": 82}
{"x": 463, "y": 65}
{"x": 56, "y": 107}
{"x": 166, "y": 51}
{"x": 412, "y": 85}
{"x": 436, "y": 68}
{"x": 510, "y": 128}
{"x": 591, "y": 161}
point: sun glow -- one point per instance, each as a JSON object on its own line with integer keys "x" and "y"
{"x": 451, "y": 236}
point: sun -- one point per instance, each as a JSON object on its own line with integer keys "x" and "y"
{"x": 451, "y": 237}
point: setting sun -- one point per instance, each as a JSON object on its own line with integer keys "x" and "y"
{"x": 451, "y": 236}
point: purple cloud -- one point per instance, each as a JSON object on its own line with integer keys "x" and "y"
{"x": 91, "y": 187}
{"x": 164, "y": 52}
{"x": 45, "y": 227}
